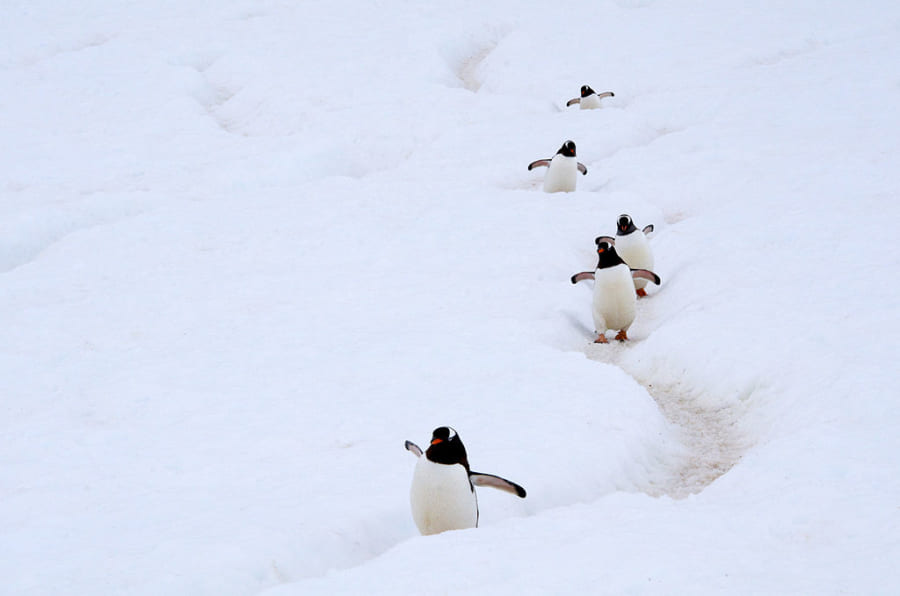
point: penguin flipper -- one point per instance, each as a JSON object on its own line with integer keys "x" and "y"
{"x": 414, "y": 449}
{"x": 582, "y": 276}
{"x": 605, "y": 94}
{"x": 608, "y": 239}
{"x": 573, "y": 102}
{"x": 538, "y": 163}
{"x": 645, "y": 274}
{"x": 582, "y": 169}
{"x": 479, "y": 479}
{"x": 648, "y": 228}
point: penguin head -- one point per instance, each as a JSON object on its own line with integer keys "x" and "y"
{"x": 586, "y": 90}
{"x": 624, "y": 226}
{"x": 607, "y": 255}
{"x": 446, "y": 448}
{"x": 568, "y": 149}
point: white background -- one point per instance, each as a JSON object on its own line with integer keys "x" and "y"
{"x": 249, "y": 248}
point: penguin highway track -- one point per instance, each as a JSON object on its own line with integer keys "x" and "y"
{"x": 712, "y": 435}
{"x": 466, "y": 71}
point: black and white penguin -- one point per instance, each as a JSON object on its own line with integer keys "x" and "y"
{"x": 590, "y": 99}
{"x": 632, "y": 246}
{"x": 562, "y": 171}
{"x": 442, "y": 495}
{"x": 614, "y": 303}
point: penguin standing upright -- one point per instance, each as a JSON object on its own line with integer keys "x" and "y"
{"x": 562, "y": 169}
{"x": 632, "y": 246}
{"x": 590, "y": 99}
{"x": 614, "y": 302}
{"x": 442, "y": 495}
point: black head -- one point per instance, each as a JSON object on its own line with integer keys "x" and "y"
{"x": 624, "y": 226}
{"x": 446, "y": 448}
{"x": 607, "y": 255}
{"x": 568, "y": 149}
{"x": 586, "y": 90}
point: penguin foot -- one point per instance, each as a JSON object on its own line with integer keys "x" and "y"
{"x": 641, "y": 292}
{"x": 601, "y": 339}
{"x": 621, "y": 336}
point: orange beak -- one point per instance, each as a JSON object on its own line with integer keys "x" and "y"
{"x": 436, "y": 441}
{"x": 601, "y": 250}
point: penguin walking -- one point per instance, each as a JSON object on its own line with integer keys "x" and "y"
{"x": 632, "y": 246}
{"x": 562, "y": 169}
{"x": 590, "y": 99}
{"x": 442, "y": 495}
{"x": 614, "y": 302}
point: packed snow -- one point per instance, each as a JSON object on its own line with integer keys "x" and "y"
{"x": 248, "y": 248}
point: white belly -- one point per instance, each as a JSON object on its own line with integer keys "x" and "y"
{"x": 635, "y": 250}
{"x": 442, "y": 498}
{"x": 591, "y": 102}
{"x": 614, "y": 299}
{"x": 561, "y": 175}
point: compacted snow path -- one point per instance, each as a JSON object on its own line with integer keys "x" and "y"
{"x": 711, "y": 434}
{"x": 467, "y": 71}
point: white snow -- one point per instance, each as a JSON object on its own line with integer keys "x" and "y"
{"x": 247, "y": 248}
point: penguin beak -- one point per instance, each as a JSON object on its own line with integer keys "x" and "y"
{"x": 601, "y": 250}
{"x": 436, "y": 441}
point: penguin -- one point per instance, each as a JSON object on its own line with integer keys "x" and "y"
{"x": 633, "y": 247}
{"x": 590, "y": 99}
{"x": 562, "y": 169}
{"x": 614, "y": 302}
{"x": 442, "y": 494}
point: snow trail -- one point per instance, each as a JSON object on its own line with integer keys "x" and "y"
{"x": 712, "y": 435}
{"x": 468, "y": 69}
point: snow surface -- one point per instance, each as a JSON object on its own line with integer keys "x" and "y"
{"x": 250, "y": 247}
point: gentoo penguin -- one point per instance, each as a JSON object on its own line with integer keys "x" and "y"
{"x": 614, "y": 298}
{"x": 561, "y": 169}
{"x": 633, "y": 247}
{"x": 442, "y": 495}
{"x": 590, "y": 99}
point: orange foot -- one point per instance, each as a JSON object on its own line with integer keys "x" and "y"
{"x": 621, "y": 335}
{"x": 601, "y": 339}
{"x": 641, "y": 292}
